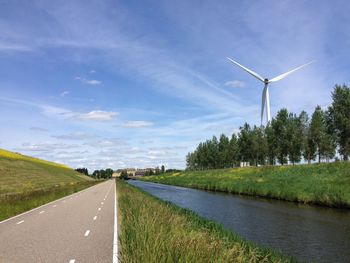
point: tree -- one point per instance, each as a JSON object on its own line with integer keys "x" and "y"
{"x": 233, "y": 151}
{"x": 321, "y": 135}
{"x": 108, "y": 173}
{"x": 280, "y": 130}
{"x": 245, "y": 143}
{"x": 295, "y": 138}
{"x": 258, "y": 145}
{"x": 224, "y": 144}
{"x": 308, "y": 145}
{"x": 339, "y": 116}
{"x": 162, "y": 169}
{"x": 124, "y": 175}
{"x": 271, "y": 144}
{"x": 83, "y": 171}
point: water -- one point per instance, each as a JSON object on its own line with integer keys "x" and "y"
{"x": 307, "y": 233}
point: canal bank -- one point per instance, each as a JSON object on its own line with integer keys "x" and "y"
{"x": 325, "y": 184}
{"x": 152, "y": 230}
{"x": 307, "y": 233}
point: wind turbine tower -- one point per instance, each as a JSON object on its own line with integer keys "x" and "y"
{"x": 265, "y": 100}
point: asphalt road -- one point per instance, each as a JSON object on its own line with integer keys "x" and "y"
{"x": 77, "y": 228}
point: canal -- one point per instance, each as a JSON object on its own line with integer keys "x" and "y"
{"x": 308, "y": 233}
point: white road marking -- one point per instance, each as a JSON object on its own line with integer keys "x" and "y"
{"x": 20, "y": 222}
{"x": 95, "y": 217}
{"x": 115, "y": 237}
{"x": 37, "y": 208}
{"x": 99, "y": 209}
{"x": 72, "y": 261}
{"x": 54, "y": 205}
{"x": 87, "y": 233}
{"x": 41, "y": 212}
{"x": 101, "y": 203}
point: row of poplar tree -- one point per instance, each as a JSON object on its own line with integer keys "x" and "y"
{"x": 287, "y": 138}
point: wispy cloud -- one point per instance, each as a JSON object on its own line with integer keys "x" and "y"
{"x": 235, "y": 84}
{"x": 96, "y": 115}
{"x": 89, "y": 81}
{"x": 38, "y": 129}
{"x": 64, "y": 93}
{"x": 74, "y": 136}
{"x": 137, "y": 124}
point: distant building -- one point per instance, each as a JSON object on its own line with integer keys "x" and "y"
{"x": 244, "y": 164}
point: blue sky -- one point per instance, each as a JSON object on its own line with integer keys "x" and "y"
{"x": 140, "y": 83}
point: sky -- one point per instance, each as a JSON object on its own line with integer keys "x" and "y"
{"x": 121, "y": 84}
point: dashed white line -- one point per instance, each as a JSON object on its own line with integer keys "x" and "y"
{"x": 20, "y": 222}
{"x": 95, "y": 217}
{"x": 115, "y": 235}
{"x": 72, "y": 261}
{"x": 99, "y": 209}
{"x": 41, "y": 212}
{"x": 101, "y": 203}
{"x": 87, "y": 233}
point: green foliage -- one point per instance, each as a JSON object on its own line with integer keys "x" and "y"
{"x": 286, "y": 139}
{"x": 325, "y": 184}
{"x": 13, "y": 204}
{"x": 339, "y": 118}
{"x": 123, "y": 175}
{"x": 83, "y": 171}
{"x": 152, "y": 230}
{"x": 103, "y": 174}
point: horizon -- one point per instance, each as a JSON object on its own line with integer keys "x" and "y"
{"x": 123, "y": 84}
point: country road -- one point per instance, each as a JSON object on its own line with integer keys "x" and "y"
{"x": 76, "y": 228}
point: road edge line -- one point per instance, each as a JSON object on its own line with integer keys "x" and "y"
{"x": 36, "y": 208}
{"x": 115, "y": 236}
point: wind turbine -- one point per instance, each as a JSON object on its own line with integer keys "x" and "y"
{"x": 265, "y": 94}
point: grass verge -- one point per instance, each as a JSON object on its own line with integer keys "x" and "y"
{"x": 152, "y": 230}
{"x": 13, "y": 204}
{"x": 321, "y": 184}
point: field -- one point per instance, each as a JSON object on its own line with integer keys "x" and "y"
{"x": 27, "y": 182}
{"x": 325, "y": 184}
{"x": 152, "y": 230}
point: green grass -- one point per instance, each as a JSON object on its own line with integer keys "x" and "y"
{"x": 11, "y": 205}
{"x": 27, "y": 182}
{"x": 152, "y": 230}
{"x": 322, "y": 184}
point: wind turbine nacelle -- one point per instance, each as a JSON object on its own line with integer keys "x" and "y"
{"x": 266, "y": 81}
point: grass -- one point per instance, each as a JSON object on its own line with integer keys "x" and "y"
{"x": 27, "y": 182}
{"x": 152, "y": 230}
{"x": 321, "y": 184}
{"x": 11, "y": 205}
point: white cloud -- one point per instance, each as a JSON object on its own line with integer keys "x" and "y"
{"x": 235, "y": 84}
{"x": 97, "y": 115}
{"x": 137, "y": 124}
{"x": 45, "y": 147}
{"x": 38, "y": 129}
{"x": 89, "y": 81}
{"x": 92, "y": 71}
{"x": 74, "y": 136}
{"x": 64, "y": 93}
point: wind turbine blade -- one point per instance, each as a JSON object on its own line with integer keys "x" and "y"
{"x": 282, "y": 76}
{"x": 251, "y": 72}
{"x": 263, "y": 101}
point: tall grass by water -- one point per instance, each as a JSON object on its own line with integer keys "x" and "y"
{"x": 152, "y": 230}
{"x": 323, "y": 184}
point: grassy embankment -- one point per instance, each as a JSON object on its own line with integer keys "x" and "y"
{"x": 322, "y": 184}
{"x": 152, "y": 230}
{"x": 27, "y": 182}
